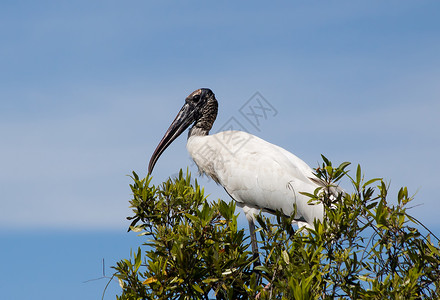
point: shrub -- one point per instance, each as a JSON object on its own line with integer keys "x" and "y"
{"x": 364, "y": 248}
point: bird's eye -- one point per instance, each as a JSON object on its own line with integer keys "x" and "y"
{"x": 196, "y": 98}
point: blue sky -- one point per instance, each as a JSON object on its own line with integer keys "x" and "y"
{"x": 87, "y": 89}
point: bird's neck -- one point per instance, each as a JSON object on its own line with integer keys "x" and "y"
{"x": 204, "y": 124}
{"x": 197, "y": 131}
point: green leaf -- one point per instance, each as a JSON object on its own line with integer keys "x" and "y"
{"x": 371, "y": 181}
{"x": 194, "y": 219}
{"x": 344, "y": 165}
{"x": 210, "y": 280}
{"x": 326, "y": 161}
{"x": 286, "y": 257}
{"x": 261, "y": 268}
{"x": 358, "y": 175}
{"x": 138, "y": 260}
{"x": 197, "y": 288}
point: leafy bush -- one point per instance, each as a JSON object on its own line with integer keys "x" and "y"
{"x": 365, "y": 248}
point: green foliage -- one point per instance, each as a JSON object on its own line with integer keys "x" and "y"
{"x": 193, "y": 248}
{"x": 365, "y": 248}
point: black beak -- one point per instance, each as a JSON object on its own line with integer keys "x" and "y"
{"x": 184, "y": 118}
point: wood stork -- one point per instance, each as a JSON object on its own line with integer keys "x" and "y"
{"x": 256, "y": 174}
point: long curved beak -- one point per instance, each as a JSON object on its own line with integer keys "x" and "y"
{"x": 184, "y": 118}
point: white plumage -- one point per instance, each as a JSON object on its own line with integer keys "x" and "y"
{"x": 256, "y": 174}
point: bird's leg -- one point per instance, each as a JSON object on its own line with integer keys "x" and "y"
{"x": 255, "y": 253}
{"x": 254, "y": 243}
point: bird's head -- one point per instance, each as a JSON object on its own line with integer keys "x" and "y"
{"x": 200, "y": 108}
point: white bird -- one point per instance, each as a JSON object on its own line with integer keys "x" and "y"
{"x": 258, "y": 175}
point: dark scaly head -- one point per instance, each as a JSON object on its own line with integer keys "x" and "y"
{"x": 201, "y": 109}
